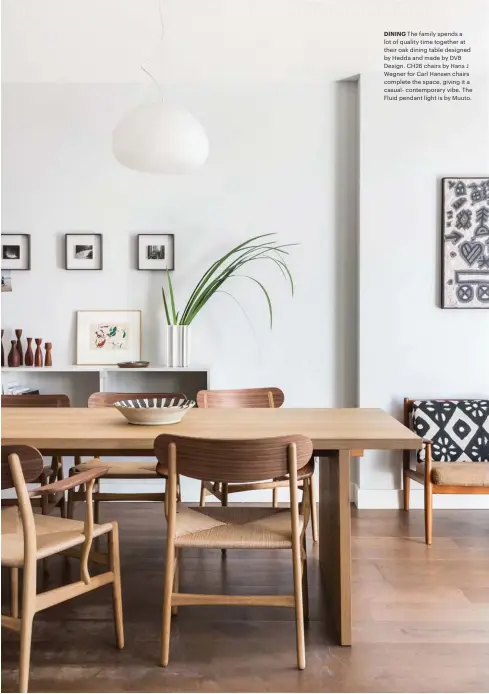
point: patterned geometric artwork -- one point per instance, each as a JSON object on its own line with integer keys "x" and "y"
{"x": 458, "y": 429}
{"x": 465, "y": 237}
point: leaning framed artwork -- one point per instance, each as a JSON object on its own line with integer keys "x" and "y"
{"x": 465, "y": 242}
{"x": 156, "y": 251}
{"x": 108, "y": 337}
{"x": 83, "y": 251}
{"x": 16, "y": 252}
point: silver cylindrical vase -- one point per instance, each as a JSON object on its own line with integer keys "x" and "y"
{"x": 177, "y": 345}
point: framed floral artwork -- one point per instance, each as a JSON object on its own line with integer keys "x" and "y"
{"x": 108, "y": 337}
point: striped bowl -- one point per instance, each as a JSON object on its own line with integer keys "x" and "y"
{"x": 154, "y": 411}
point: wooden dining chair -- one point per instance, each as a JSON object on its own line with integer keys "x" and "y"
{"x": 252, "y": 397}
{"x": 28, "y": 537}
{"x": 235, "y": 527}
{"x": 118, "y": 470}
{"x": 454, "y": 458}
{"x": 47, "y": 502}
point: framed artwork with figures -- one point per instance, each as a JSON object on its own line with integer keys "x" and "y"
{"x": 108, "y": 337}
{"x": 465, "y": 242}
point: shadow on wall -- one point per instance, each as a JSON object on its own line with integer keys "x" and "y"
{"x": 346, "y": 206}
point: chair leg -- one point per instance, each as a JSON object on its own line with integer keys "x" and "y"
{"x": 406, "y": 489}
{"x": 166, "y": 616}
{"x": 305, "y": 586}
{"x": 14, "y": 592}
{"x": 224, "y": 494}
{"x": 28, "y": 611}
{"x": 25, "y": 650}
{"x": 44, "y": 497}
{"x": 44, "y": 512}
{"x": 275, "y": 497}
{"x": 176, "y": 578}
{"x": 314, "y": 510}
{"x": 224, "y": 502}
{"x": 428, "y": 513}
{"x": 70, "y": 510}
{"x": 203, "y": 494}
{"x": 299, "y": 609}
{"x": 115, "y": 567}
{"x": 63, "y": 506}
{"x": 96, "y": 519}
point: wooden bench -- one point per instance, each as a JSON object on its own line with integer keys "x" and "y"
{"x": 455, "y": 455}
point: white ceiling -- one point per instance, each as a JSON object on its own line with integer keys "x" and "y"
{"x": 206, "y": 40}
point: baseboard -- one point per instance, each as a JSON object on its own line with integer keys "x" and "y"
{"x": 392, "y": 499}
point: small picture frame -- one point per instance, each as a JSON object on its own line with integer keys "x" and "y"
{"x": 83, "y": 251}
{"x": 16, "y": 251}
{"x": 108, "y": 337}
{"x": 156, "y": 251}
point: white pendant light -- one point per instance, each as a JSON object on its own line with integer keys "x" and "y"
{"x": 159, "y": 138}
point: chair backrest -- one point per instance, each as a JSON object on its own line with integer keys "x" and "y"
{"x": 233, "y": 460}
{"x": 22, "y": 464}
{"x": 31, "y": 464}
{"x": 244, "y": 397}
{"x": 457, "y": 428}
{"x": 108, "y": 399}
{"x": 35, "y": 401}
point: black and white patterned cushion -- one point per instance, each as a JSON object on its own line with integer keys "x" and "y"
{"x": 459, "y": 429}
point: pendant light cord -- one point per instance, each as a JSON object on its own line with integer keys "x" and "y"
{"x": 154, "y": 80}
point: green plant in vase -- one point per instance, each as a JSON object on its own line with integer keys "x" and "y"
{"x": 230, "y": 265}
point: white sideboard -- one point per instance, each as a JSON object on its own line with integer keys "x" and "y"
{"x": 79, "y": 382}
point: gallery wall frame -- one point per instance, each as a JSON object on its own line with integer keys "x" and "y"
{"x": 155, "y": 251}
{"x": 16, "y": 251}
{"x": 83, "y": 251}
{"x": 465, "y": 242}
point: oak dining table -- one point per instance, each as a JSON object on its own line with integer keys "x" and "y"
{"x": 336, "y": 434}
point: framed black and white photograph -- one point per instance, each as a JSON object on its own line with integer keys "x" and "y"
{"x": 156, "y": 251}
{"x": 16, "y": 252}
{"x": 83, "y": 251}
{"x": 465, "y": 243}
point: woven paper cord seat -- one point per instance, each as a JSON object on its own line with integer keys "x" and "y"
{"x": 234, "y": 528}
{"x": 52, "y": 535}
{"x": 121, "y": 468}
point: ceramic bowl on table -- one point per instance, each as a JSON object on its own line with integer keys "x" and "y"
{"x": 154, "y": 411}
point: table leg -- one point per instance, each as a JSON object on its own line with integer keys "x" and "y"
{"x": 335, "y": 543}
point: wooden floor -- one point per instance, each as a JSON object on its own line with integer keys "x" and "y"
{"x": 421, "y": 617}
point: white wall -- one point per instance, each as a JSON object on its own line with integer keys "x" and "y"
{"x": 409, "y": 347}
{"x": 59, "y": 175}
{"x": 261, "y": 75}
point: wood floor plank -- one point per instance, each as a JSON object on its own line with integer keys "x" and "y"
{"x": 420, "y": 616}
